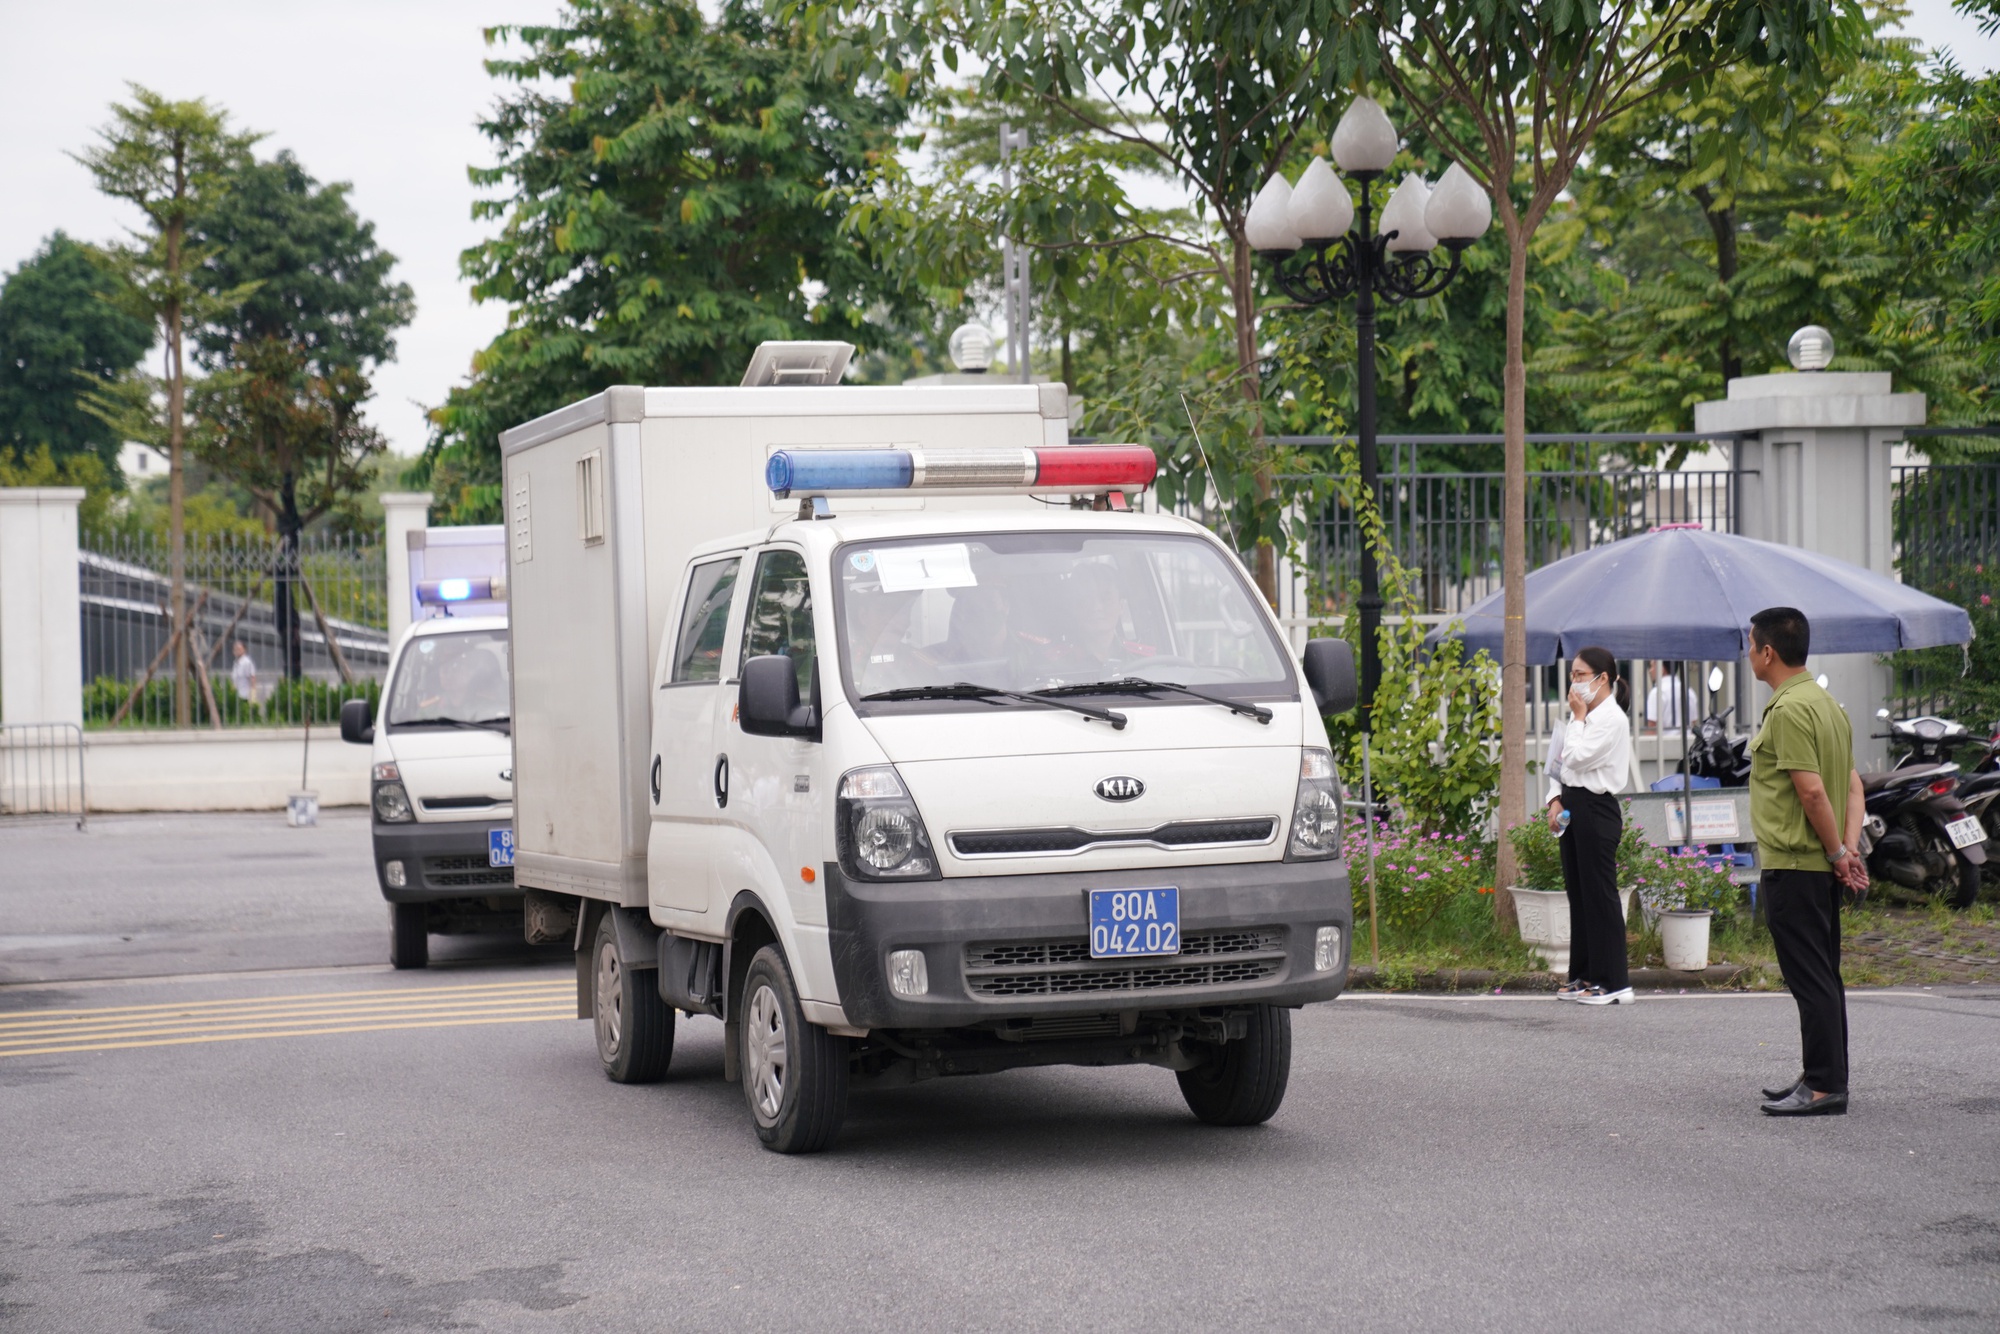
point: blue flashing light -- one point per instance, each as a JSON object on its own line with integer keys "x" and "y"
{"x": 838, "y": 470}
{"x": 454, "y": 590}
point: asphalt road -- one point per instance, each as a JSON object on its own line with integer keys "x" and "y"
{"x": 345, "y": 1148}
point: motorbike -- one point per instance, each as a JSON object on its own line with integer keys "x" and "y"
{"x": 1715, "y": 754}
{"x": 1920, "y": 834}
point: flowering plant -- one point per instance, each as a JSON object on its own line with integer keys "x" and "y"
{"x": 1537, "y": 854}
{"x": 1669, "y": 880}
{"x": 1416, "y": 873}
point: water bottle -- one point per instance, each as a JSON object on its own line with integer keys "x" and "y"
{"x": 1562, "y": 823}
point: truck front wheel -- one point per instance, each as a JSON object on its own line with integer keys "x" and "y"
{"x": 1243, "y": 1082}
{"x": 794, "y": 1072}
{"x": 635, "y": 1028}
{"x": 409, "y": 935}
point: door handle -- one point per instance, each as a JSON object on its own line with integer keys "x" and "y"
{"x": 722, "y": 780}
{"x": 656, "y": 780}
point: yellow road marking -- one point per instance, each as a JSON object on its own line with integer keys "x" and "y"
{"x": 297, "y": 1033}
{"x": 199, "y": 1014}
{"x": 551, "y": 987}
{"x": 301, "y": 1014}
{"x": 247, "y": 1023}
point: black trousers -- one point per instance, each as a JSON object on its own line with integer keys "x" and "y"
{"x": 1590, "y": 879}
{"x": 1803, "y": 908}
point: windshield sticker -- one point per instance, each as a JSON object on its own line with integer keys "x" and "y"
{"x": 907, "y": 568}
{"x": 426, "y": 647}
{"x": 864, "y": 561}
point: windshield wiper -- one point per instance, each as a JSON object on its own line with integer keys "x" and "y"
{"x": 1138, "y": 685}
{"x": 966, "y": 690}
{"x": 500, "y": 724}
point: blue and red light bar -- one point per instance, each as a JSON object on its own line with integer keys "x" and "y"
{"x": 1070, "y": 468}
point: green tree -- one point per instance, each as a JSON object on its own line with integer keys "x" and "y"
{"x": 290, "y": 358}
{"x": 1214, "y": 97}
{"x": 62, "y": 330}
{"x": 668, "y": 208}
{"x": 168, "y": 159}
{"x": 1516, "y": 92}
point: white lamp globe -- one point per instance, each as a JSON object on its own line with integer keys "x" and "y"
{"x": 1364, "y": 140}
{"x": 1321, "y": 209}
{"x": 1811, "y": 348}
{"x": 972, "y": 349}
{"x": 1268, "y": 225}
{"x": 1459, "y": 211}
{"x": 1403, "y": 215}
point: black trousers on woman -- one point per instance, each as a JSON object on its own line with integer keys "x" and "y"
{"x": 1590, "y": 878}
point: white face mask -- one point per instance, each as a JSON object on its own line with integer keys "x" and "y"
{"x": 1583, "y": 689}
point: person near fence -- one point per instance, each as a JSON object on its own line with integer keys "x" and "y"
{"x": 1801, "y": 759}
{"x": 1590, "y": 762}
{"x": 243, "y": 674}
{"x": 1670, "y": 701}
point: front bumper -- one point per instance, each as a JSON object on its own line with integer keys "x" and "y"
{"x": 1001, "y": 947}
{"x": 441, "y": 861}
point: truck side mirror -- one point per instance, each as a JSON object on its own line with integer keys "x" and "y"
{"x": 767, "y": 699}
{"x": 1330, "y": 674}
{"x": 356, "y": 722}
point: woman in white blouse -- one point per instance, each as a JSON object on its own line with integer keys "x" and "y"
{"x": 1589, "y": 763}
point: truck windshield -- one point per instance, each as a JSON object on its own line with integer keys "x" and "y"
{"x": 452, "y": 680}
{"x": 1037, "y": 611}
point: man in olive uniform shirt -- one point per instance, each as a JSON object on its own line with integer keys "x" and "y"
{"x": 1801, "y": 759}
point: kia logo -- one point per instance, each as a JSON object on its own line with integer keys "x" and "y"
{"x": 1120, "y": 788}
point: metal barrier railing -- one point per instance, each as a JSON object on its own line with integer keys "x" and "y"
{"x": 41, "y": 772}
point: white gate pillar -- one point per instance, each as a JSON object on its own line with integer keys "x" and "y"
{"x": 41, "y": 608}
{"x": 403, "y": 513}
{"x": 1813, "y": 472}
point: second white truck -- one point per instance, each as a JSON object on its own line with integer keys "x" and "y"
{"x": 875, "y": 723}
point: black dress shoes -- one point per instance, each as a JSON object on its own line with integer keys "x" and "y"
{"x": 1801, "y": 1102}
{"x": 1780, "y": 1094}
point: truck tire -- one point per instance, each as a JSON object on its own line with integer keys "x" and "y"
{"x": 409, "y": 935}
{"x": 635, "y": 1028}
{"x": 1245, "y": 1081}
{"x": 794, "y": 1073}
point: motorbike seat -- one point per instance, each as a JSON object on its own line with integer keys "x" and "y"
{"x": 1875, "y": 782}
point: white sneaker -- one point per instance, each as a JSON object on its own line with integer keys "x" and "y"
{"x": 1599, "y": 996}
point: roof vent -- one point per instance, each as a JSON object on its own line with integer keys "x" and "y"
{"x": 797, "y": 363}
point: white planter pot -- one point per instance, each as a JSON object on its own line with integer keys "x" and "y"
{"x": 1684, "y": 939}
{"x": 1625, "y": 905}
{"x": 1544, "y": 918}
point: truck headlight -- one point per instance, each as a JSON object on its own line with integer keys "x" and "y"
{"x": 1316, "y": 811}
{"x": 880, "y": 834}
{"x": 392, "y": 804}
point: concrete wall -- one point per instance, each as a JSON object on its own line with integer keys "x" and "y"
{"x": 41, "y": 633}
{"x": 236, "y": 769}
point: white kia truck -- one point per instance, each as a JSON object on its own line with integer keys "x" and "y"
{"x": 441, "y": 783}
{"x": 877, "y": 724}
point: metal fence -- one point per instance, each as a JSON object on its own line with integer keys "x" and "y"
{"x": 312, "y": 622}
{"x": 41, "y": 771}
{"x": 1946, "y": 531}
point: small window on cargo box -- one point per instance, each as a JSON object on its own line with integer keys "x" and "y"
{"x": 704, "y": 621}
{"x": 780, "y": 618}
{"x": 590, "y": 498}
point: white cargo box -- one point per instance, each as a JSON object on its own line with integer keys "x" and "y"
{"x": 604, "y": 500}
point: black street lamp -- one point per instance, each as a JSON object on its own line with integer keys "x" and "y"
{"x": 1395, "y": 262}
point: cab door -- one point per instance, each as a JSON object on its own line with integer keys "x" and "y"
{"x": 691, "y": 703}
{"x": 776, "y": 784}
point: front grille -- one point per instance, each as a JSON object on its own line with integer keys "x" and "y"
{"x": 1179, "y": 834}
{"x": 466, "y": 873}
{"x": 1005, "y": 969}
{"x": 462, "y": 803}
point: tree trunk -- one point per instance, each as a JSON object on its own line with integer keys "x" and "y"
{"x": 1722, "y": 222}
{"x": 1514, "y": 569}
{"x": 285, "y": 591}
{"x": 176, "y": 484}
{"x": 1243, "y": 291}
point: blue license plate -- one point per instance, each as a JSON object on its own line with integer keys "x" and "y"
{"x": 1134, "y": 923}
{"x": 499, "y": 847}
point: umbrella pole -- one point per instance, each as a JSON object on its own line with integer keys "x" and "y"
{"x": 1368, "y": 814}
{"x": 1687, "y": 793}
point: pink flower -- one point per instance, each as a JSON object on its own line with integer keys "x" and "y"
{"x": 1985, "y": 599}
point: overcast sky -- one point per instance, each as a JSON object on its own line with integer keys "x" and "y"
{"x": 381, "y": 94}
